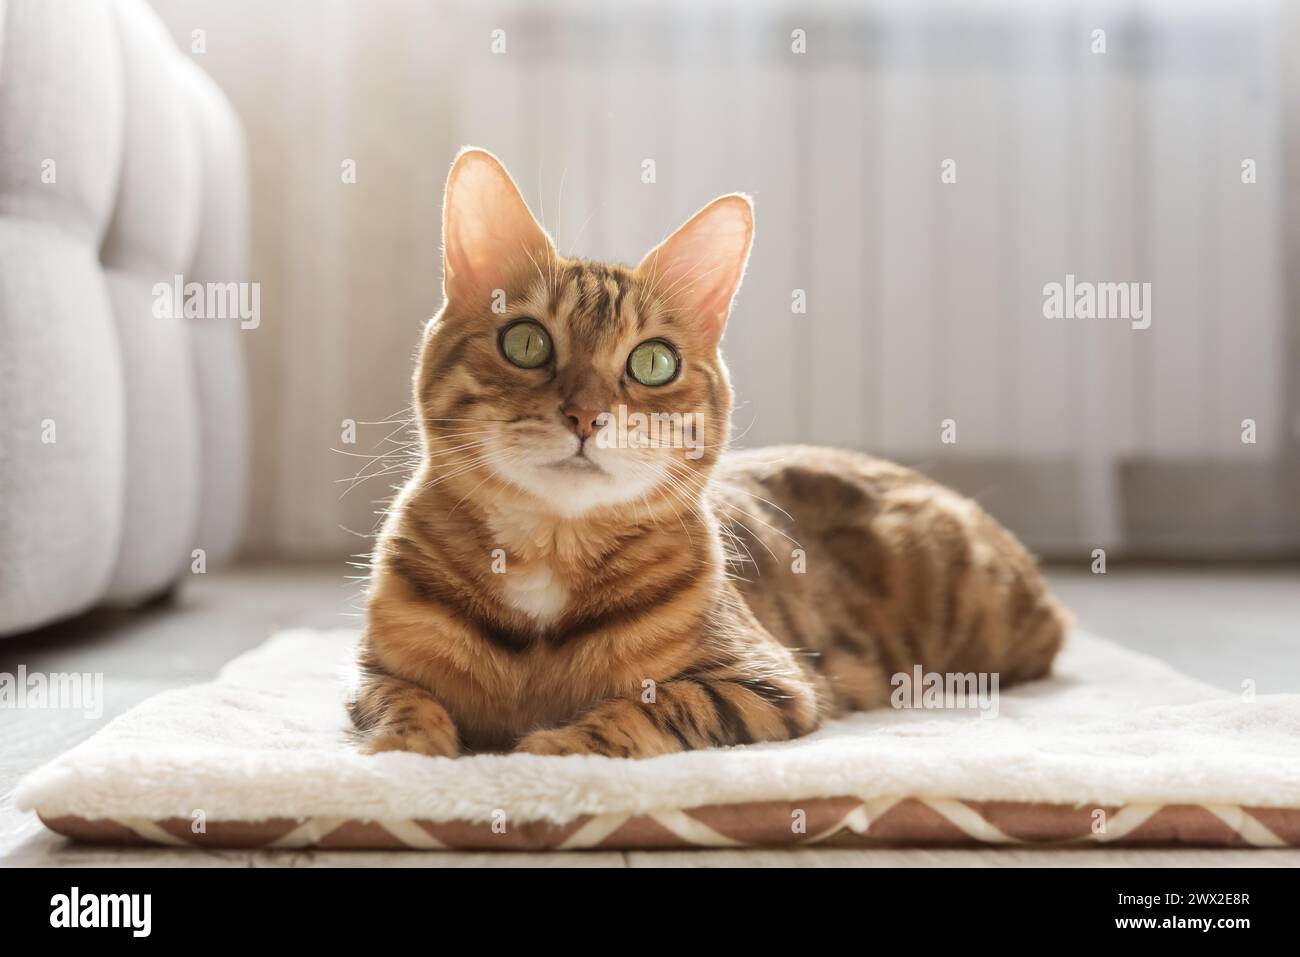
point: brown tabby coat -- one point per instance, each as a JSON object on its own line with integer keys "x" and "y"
{"x": 534, "y": 591}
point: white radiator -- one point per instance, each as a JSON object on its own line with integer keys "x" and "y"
{"x": 925, "y": 298}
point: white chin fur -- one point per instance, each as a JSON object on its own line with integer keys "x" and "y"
{"x": 572, "y": 491}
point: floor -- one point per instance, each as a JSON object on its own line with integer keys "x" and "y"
{"x": 1223, "y": 625}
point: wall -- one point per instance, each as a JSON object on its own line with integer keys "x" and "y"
{"x": 924, "y": 298}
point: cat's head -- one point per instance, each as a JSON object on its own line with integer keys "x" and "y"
{"x": 581, "y": 385}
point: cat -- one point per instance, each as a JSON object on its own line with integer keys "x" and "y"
{"x": 537, "y": 589}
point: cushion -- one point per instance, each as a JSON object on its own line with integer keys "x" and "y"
{"x": 62, "y": 467}
{"x": 1117, "y": 748}
{"x": 220, "y": 256}
{"x": 151, "y": 239}
{"x": 125, "y": 438}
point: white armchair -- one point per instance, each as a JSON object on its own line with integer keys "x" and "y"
{"x": 123, "y": 436}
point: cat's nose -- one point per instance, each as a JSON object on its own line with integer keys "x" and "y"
{"x": 584, "y": 422}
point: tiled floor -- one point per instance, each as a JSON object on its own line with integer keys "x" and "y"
{"x": 1222, "y": 625}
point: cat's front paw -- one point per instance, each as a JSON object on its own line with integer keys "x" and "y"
{"x": 558, "y": 741}
{"x": 430, "y": 741}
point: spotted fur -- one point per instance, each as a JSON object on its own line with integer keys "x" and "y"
{"x": 653, "y": 601}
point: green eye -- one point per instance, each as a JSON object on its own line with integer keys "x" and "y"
{"x": 526, "y": 344}
{"x": 653, "y": 363}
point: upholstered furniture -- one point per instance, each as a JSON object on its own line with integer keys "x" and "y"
{"x": 123, "y": 435}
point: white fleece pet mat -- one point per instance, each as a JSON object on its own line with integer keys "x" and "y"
{"x": 1117, "y": 747}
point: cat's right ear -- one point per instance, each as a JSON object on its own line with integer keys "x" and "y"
{"x": 488, "y": 233}
{"x": 701, "y": 265}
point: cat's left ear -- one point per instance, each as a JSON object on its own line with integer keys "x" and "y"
{"x": 700, "y": 266}
{"x": 488, "y": 232}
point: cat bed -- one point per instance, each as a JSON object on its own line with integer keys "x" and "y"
{"x": 1116, "y": 748}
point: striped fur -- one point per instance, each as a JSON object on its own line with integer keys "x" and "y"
{"x": 654, "y": 601}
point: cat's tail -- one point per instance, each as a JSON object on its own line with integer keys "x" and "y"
{"x": 1041, "y": 634}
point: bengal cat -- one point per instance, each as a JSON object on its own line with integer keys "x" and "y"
{"x": 539, "y": 587}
